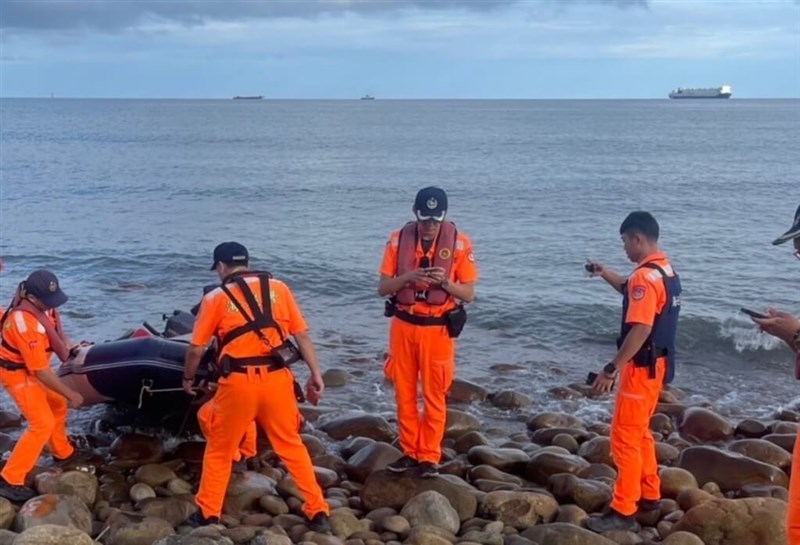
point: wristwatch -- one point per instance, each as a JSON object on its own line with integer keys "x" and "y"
{"x": 610, "y": 370}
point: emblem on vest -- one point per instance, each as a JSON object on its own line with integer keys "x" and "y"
{"x": 445, "y": 253}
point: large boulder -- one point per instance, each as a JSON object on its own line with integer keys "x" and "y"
{"x": 384, "y": 489}
{"x": 54, "y": 509}
{"x": 430, "y": 508}
{"x": 510, "y": 460}
{"x": 748, "y": 521}
{"x": 7, "y": 514}
{"x": 561, "y": 533}
{"x": 519, "y": 509}
{"x": 675, "y": 480}
{"x": 154, "y": 475}
{"x": 9, "y": 420}
{"x": 553, "y": 420}
{"x": 510, "y": 399}
{"x": 52, "y": 534}
{"x": 763, "y": 451}
{"x": 123, "y": 531}
{"x": 703, "y": 426}
{"x": 80, "y": 484}
{"x": 591, "y": 496}
{"x": 465, "y": 391}
{"x": 459, "y": 423}
{"x": 359, "y": 425}
{"x": 729, "y": 470}
{"x": 547, "y": 463}
{"x": 597, "y": 451}
{"x": 374, "y": 457}
{"x": 173, "y": 510}
{"x": 244, "y": 491}
{"x": 134, "y": 447}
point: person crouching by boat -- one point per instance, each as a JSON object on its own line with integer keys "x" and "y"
{"x": 30, "y": 332}
{"x": 252, "y": 315}
{"x": 787, "y": 328}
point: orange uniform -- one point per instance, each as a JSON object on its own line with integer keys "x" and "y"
{"x": 424, "y": 352}
{"x": 632, "y": 444}
{"x": 793, "y": 510}
{"x": 44, "y": 409}
{"x": 260, "y": 395}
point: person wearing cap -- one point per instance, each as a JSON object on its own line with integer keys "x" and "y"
{"x": 251, "y": 315}
{"x": 786, "y": 327}
{"x": 645, "y": 360}
{"x": 30, "y": 334}
{"x": 428, "y": 269}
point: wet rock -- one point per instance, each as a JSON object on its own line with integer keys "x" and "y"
{"x": 143, "y": 532}
{"x": 273, "y": 505}
{"x": 673, "y": 410}
{"x": 459, "y": 423}
{"x": 173, "y": 510}
{"x": 7, "y": 537}
{"x": 9, "y": 420}
{"x": 785, "y": 440}
{"x": 7, "y": 514}
{"x": 336, "y": 378}
{"x": 752, "y": 429}
{"x": 143, "y": 449}
{"x": 505, "y": 459}
{"x": 545, "y": 436}
{"x": 621, "y": 537}
{"x": 543, "y": 464}
{"x": 571, "y": 514}
{"x": 344, "y": 524}
{"x": 190, "y": 452}
{"x": 429, "y": 536}
{"x": 784, "y": 427}
{"x": 704, "y": 426}
{"x": 481, "y": 538}
{"x": 560, "y": 533}
{"x": 519, "y": 509}
{"x": 764, "y": 491}
{"x": 326, "y": 477}
{"x": 763, "y": 451}
{"x": 510, "y": 399}
{"x": 430, "y": 508}
{"x": 194, "y": 539}
{"x": 374, "y": 457}
{"x": 314, "y": 445}
{"x": 384, "y": 489}
{"x": 140, "y": 492}
{"x": 591, "y": 496}
{"x": 179, "y": 486}
{"x": 244, "y": 491}
{"x": 666, "y": 454}
{"x": 396, "y": 524}
{"x": 154, "y": 475}
{"x": 51, "y": 534}
{"x": 6, "y": 442}
{"x": 489, "y": 473}
{"x": 469, "y": 440}
{"x": 749, "y": 521}
{"x": 54, "y": 509}
{"x": 115, "y": 493}
{"x": 553, "y": 420}
{"x": 464, "y": 391}
{"x": 691, "y": 498}
{"x": 598, "y": 472}
{"x": 682, "y": 538}
{"x": 80, "y": 484}
{"x": 661, "y": 423}
{"x": 729, "y": 470}
{"x": 567, "y": 442}
{"x": 597, "y": 451}
{"x": 359, "y": 425}
{"x": 271, "y": 539}
{"x": 675, "y": 480}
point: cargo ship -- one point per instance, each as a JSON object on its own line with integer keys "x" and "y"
{"x": 255, "y": 97}
{"x": 711, "y": 92}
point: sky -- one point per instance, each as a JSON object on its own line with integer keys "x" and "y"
{"x": 407, "y": 49}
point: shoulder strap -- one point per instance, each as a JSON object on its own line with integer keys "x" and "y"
{"x": 260, "y": 319}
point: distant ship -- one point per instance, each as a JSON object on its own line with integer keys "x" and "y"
{"x": 368, "y": 97}
{"x": 711, "y": 92}
{"x": 259, "y": 97}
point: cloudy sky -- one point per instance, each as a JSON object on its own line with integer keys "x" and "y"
{"x": 397, "y": 48}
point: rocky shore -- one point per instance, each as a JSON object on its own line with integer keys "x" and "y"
{"x": 722, "y": 483}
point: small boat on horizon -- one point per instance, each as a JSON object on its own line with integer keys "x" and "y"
{"x": 254, "y": 97}
{"x": 368, "y": 97}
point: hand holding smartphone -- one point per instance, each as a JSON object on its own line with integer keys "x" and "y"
{"x": 753, "y": 313}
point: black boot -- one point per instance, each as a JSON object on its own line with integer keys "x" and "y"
{"x": 320, "y": 523}
{"x": 612, "y": 520}
{"x": 197, "y": 519}
{"x": 15, "y": 492}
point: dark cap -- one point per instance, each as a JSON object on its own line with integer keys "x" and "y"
{"x": 792, "y": 233}
{"x": 230, "y": 253}
{"x": 431, "y": 203}
{"x": 44, "y": 286}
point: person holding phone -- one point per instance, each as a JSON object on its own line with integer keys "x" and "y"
{"x": 428, "y": 268}
{"x": 645, "y": 360}
{"x": 786, "y": 327}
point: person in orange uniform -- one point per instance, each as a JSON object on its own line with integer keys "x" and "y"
{"x": 252, "y": 315}
{"x": 428, "y": 267}
{"x": 787, "y": 328}
{"x": 645, "y": 360}
{"x": 27, "y": 337}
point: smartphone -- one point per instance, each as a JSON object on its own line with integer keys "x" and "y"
{"x": 590, "y": 268}
{"x": 753, "y": 313}
{"x": 590, "y": 378}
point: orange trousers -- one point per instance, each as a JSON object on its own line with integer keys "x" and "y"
{"x": 268, "y": 399}
{"x": 632, "y": 445}
{"x": 46, "y": 413}
{"x": 427, "y": 354}
{"x": 245, "y": 449}
{"x": 793, "y": 510}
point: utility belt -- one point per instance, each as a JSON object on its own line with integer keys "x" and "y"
{"x": 12, "y": 365}
{"x": 454, "y": 319}
{"x": 648, "y": 357}
{"x": 279, "y": 358}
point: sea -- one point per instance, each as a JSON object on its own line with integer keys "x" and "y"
{"x": 125, "y": 200}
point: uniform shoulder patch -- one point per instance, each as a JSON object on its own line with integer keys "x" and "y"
{"x": 638, "y": 293}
